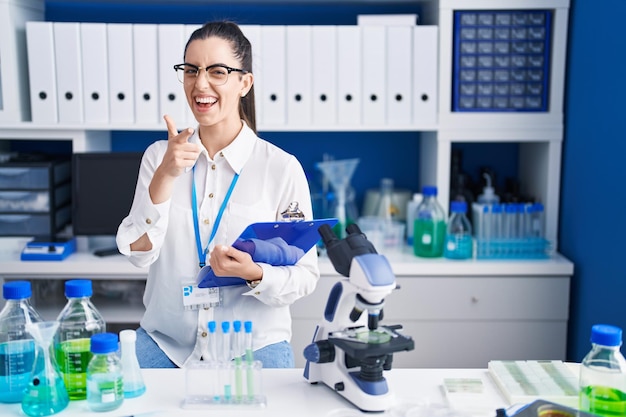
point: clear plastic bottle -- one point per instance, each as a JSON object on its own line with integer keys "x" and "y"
{"x": 603, "y": 373}
{"x": 385, "y": 209}
{"x": 411, "y": 211}
{"x": 458, "y": 243}
{"x": 429, "y": 226}
{"x": 105, "y": 382}
{"x": 78, "y": 321}
{"x": 133, "y": 379}
{"x": 17, "y": 347}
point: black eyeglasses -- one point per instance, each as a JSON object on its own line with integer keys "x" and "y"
{"x": 216, "y": 74}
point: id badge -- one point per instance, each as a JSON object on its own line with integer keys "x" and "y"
{"x": 195, "y": 297}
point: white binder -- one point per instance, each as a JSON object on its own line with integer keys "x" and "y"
{"x": 324, "y": 53}
{"x": 95, "y": 72}
{"x": 68, "y": 62}
{"x": 273, "y": 71}
{"x": 374, "y": 67}
{"x": 349, "y": 75}
{"x": 171, "y": 40}
{"x": 299, "y": 68}
{"x": 121, "y": 73}
{"x": 43, "y": 90}
{"x": 399, "y": 75}
{"x": 190, "y": 119}
{"x": 425, "y": 79}
{"x": 253, "y": 33}
{"x": 145, "y": 45}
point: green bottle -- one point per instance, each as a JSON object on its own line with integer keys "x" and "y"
{"x": 429, "y": 226}
{"x": 78, "y": 321}
{"x": 603, "y": 374}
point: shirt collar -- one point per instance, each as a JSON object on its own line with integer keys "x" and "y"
{"x": 238, "y": 151}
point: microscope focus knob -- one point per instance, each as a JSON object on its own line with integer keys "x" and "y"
{"x": 321, "y": 351}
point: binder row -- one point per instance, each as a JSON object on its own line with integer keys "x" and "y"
{"x": 326, "y": 75}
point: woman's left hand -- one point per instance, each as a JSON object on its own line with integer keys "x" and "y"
{"x": 227, "y": 261}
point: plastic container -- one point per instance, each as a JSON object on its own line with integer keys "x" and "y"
{"x": 17, "y": 347}
{"x": 385, "y": 209}
{"x": 489, "y": 195}
{"x": 603, "y": 373}
{"x": 458, "y": 244}
{"x": 78, "y": 321}
{"x": 134, "y": 385}
{"x": 429, "y": 226}
{"x": 105, "y": 381}
{"x": 411, "y": 211}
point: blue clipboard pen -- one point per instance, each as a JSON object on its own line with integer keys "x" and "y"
{"x": 274, "y": 243}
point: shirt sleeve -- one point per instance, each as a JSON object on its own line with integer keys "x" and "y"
{"x": 145, "y": 217}
{"x": 283, "y": 285}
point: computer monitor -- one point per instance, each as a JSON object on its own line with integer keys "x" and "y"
{"x": 103, "y": 186}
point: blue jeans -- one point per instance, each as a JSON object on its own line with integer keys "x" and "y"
{"x": 150, "y": 355}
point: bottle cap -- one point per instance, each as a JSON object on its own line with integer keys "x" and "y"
{"x": 458, "y": 207}
{"x": 606, "y": 335}
{"x": 225, "y": 326}
{"x": 128, "y": 336}
{"x": 212, "y": 325}
{"x": 429, "y": 190}
{"x": 104, "y": 343}
{"x": 77, "y": 288}
{"x": 16, "y": 290}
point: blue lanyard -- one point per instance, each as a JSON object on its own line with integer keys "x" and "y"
{"x": 196, "y": 224}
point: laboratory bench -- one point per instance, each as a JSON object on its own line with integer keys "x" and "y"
{"x": 460, "y": 313}
{"x": 288, "y": 394}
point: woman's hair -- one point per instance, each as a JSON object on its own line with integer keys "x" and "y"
{"x": 242, "y": 50}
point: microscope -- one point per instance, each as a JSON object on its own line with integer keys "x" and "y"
{"x": 350, "y": 351}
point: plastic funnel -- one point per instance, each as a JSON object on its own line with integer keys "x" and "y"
{"x": 339, "y": 172}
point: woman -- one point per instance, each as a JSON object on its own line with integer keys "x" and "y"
{"x": 196, "y": 192}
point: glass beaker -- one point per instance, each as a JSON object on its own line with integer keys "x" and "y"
{"x": 46, "y": 393}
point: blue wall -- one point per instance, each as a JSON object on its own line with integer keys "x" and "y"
{"x": 593, "y": 200}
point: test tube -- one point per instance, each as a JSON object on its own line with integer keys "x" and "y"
{"x": 225, "y": 362}
{"x": 236, "y": 353}
{"x": 212, "y": 325}
{"x": 247, "y": 325}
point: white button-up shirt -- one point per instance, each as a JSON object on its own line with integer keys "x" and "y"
{"x": 269, "y": 180}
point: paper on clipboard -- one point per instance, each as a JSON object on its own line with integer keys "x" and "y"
{"x": 275, "y": 243}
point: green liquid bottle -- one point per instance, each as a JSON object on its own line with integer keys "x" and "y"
{"x": 78, "y": 321}
{"x": 429, "y": 226}
{"x": 603, "y": 374}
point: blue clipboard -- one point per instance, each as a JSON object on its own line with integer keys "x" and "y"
{"x": 275, "y": 243}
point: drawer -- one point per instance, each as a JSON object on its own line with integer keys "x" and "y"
{"x": 33, "y": 176}
{"x": 34, "y": 224}
{"x": 34, "y": 201}
{"x": 460, "y": 299}
{"x": 480, "y": 298}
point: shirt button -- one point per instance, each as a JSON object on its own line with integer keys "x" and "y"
{"x": 213, "y": 167}
{"x": 206, "y": 221}
{"x": 204, "y": 334}
{"x": 211, "y": 195}
{"x": 148, "y": 221}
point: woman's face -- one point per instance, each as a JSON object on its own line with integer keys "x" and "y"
{"x": 215, "y": 104}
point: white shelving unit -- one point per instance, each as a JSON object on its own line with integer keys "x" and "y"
{"x": 474, "y": 296}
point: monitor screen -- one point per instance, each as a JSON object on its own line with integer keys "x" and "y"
{"x": 103, "y": 186}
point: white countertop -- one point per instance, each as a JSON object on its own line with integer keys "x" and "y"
{"x": 289, "y": 394}
{"x": 403, "y": 263}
